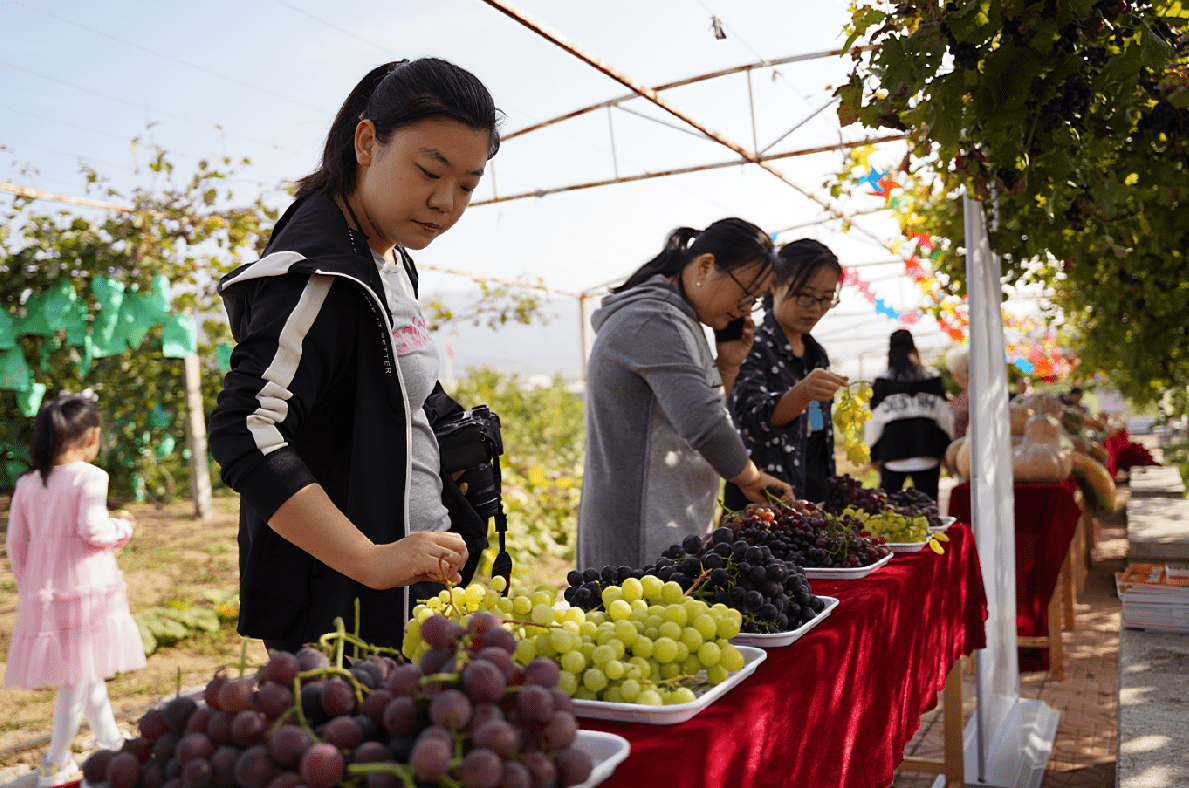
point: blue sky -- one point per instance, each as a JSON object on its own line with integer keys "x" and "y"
{"x": 263, "y": 79}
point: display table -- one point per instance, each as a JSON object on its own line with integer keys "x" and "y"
{"x": 1046, "y": 517}
{"x": 835, "y": 708}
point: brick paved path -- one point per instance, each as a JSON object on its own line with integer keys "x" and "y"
{"x": 1084, "y": 751}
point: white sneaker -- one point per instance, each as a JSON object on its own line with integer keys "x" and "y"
{"x": 52, "y": 775}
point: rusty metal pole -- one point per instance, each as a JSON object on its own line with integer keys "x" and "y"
{"x": 643, "y": 90}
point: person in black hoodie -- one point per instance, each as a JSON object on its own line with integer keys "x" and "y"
{"x": 320, "y": 426}
{"x": 911, "y": 421}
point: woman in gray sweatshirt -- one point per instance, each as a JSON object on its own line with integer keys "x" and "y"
{"x": 658, "y": 435}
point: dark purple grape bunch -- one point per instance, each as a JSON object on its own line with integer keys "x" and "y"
{"x": 843, "y": 492}
{"x": 745, "y": 573}
{"x": 741, "y": 566}
{"x": 808, "y": 536}
{"x": 376, "y": 724}
{"x": 585, "y": 589}
{"x": 912, "y": 502}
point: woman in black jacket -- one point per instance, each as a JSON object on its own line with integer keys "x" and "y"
{"x": 911, "y": 421}
{"x": 782, "y": 396}
{"x": 320, "y": 425}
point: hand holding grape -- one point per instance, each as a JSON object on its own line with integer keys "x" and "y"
{"x": 422, "y": 555}
{"x": 757, "y": 485}
{"x": 850, "y": 414}
{"x": 820, "y": 385}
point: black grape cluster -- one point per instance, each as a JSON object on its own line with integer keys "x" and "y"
{"x": 733, "y": 568}
{"x": 1069, "y": 106}
{"x": 912, "y": 502}
{"x": 467, "y": 716}
{"x": 1019, "y": 36}
{"x": 846, "y": 491}
{"x": 1164, "y": 118}
{"x": 843, "y": 492}
{"x": 809, "y": 536}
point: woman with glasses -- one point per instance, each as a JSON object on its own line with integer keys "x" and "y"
{"x": 782, "y": 395}
{"x": 658, "y": 436}
{"x": 911, "y": 421}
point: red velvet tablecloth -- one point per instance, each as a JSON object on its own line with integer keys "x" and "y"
{"x": 835, "y": 708}
{"x": 1046, "y": 517}
{"x": 1124, "y": 453}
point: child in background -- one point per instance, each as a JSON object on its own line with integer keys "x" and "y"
{"x": 73, "y": 627}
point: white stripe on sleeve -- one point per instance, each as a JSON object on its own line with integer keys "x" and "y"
{"x": 274, "y": 397}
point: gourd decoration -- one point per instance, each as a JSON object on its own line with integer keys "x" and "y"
{"x": 1019, "y": 417}
{"x": 1040, "y": 456}
{"x": 957, "y": 457}
{"x": 1043, "y": 404}
{"x": 1073, "y": 420}
{"x": 1098, "y": 488}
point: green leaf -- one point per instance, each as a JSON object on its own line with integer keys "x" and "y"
{"x": 852, "y": 98}
{"x": 862, "y": 19}
{"x": 1154, "y": 50}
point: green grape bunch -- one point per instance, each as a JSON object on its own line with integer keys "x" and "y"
{"x": 850, "y": 414}
{"x": 897, "y": 527}
{"x": 650, "y": 644}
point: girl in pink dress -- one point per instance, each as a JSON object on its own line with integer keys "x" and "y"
{"x": 73, "y": 626}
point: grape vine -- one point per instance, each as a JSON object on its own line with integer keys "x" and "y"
{"x": 1072, "y": 117}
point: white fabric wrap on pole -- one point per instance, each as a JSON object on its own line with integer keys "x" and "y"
{"x": 992, "y": 500}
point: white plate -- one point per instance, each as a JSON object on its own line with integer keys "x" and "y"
{"x": 606, "y": 751}
{"x": 675, "y": 712}
{"x": 946, "y": 522}
{"x": 778, "y": 639}
{"x": 906, "y": 547}
{"x": 823, "y": 573}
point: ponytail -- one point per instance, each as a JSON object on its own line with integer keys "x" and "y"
{"x": 61, "y": 424}
{"x": 670, "y": 262}
{"x": 733, "y": 242}
{"x": 394, "y": 96}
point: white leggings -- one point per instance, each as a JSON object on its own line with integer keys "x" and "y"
{"x": 75, "y": 701}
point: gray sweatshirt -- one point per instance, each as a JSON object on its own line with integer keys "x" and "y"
{"x": 658, "y": 435}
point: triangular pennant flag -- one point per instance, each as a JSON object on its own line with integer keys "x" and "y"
{"x": 180, "y": 338}
{"x": 15, "y": 374}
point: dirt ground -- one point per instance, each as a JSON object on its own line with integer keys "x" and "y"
{"x": 173, "y": 555}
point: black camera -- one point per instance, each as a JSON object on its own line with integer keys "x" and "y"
{"x": 471, "y": 443}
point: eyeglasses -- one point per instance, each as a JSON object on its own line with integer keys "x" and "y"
{"x": 749, "y": 299}
{"x": 809, "y": 301}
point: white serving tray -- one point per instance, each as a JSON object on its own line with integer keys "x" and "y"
{"x": 778, "y": 639}
{"x": 823, "y": 573}
{"x": 674, "y": 713}
{"x": 606, "y": 751}
{"x": 906, "y": 547}
{"x": 946, "y": 522}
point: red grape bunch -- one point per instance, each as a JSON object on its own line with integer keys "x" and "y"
{"x": 466, "y": 715}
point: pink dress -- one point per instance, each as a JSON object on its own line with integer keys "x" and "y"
{"x": 73, "y": 623}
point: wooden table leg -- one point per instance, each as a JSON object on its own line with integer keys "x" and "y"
{"x": 1052, "y": 641}
{"x": 953, "y": 765}
{"x": 1066, "y": 590}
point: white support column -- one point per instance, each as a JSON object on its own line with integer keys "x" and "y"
{"x": 1009, "y": 739}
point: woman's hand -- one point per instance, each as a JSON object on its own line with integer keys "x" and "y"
{"x": 757, "y": 485}
{"x": 422, "y": 555}
{"x": 730, "y": 355}
{"x": 311, "y": 521}
{"x": 820, "y": 385}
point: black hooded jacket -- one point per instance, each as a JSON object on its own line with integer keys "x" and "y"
{"x": 315, "y": 395}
